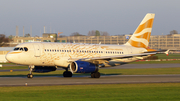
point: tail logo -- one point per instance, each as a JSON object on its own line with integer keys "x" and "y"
{"x": 141, "y": 36}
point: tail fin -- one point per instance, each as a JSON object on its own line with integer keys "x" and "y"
{"x": 141, "y": 36}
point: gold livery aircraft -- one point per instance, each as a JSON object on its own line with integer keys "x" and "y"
{"x": 83, "y": 58}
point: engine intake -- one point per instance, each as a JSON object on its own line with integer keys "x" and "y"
{"x": 83, "y": 67}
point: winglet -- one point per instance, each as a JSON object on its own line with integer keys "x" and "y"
{"x": 167, "y": 52}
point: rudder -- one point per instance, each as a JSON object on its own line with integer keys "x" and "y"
{"x": 141, "y": 36}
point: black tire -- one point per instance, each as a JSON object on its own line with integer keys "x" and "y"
{"x": 97, "y": 75}
{"x": 29, "y": 76}
{"x": 67, "y": 74}
{"x": 93, "y": 75}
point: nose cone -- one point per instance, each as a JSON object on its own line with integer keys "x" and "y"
{"x": 9, "y": 57}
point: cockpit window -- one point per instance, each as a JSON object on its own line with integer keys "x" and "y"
{"x": 26, "y": 49}
{"x": 15, "y": 49}
{"x": 21, "y": 49}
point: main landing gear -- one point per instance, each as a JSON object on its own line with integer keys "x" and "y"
{"x": 95, "y": 75}
{"x": 67, "y": 73}
{"x": 30, "y": 75}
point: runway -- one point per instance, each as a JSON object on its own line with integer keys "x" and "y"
{"x": 109, "y": 79}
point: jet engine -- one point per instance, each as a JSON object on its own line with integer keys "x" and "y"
{"x": 83, "y": 67}
{"x": 41, "y": 69}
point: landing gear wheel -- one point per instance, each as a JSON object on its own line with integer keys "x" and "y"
{"x": 67, "y": 74}
{"x": 92, "y": 75}
{"x": 29, "y": 76}
{"x": 95, "y": 75}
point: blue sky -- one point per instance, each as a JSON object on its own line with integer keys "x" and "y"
{"x": 117, "y": 17}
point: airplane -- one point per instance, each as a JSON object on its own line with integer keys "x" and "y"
{"x": 84, "y": 58}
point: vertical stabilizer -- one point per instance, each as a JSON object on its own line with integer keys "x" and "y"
{"x": 141, "y": 36}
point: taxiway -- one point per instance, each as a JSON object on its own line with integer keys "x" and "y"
{"x": 109, "y": 79}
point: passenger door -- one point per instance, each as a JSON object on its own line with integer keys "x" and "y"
{"x": 37, "y": 51}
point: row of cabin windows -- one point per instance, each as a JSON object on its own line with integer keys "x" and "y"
{"x": 82, "y": 51}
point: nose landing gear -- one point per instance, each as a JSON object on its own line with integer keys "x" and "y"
{"x": 30, "y": 75}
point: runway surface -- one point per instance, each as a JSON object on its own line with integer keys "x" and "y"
{"x": 119, "y": 79}
{"x": 105, "y": 79}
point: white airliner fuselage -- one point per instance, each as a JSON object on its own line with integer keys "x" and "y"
{"x": 60, "y": 54}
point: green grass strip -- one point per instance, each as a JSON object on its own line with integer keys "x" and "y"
{"x": 101, "y": 92}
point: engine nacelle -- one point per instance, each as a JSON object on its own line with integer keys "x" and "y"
{"x": 44, "y": 69}
{"x": 83, "y": 67}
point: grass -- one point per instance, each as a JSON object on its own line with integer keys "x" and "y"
{"x": 141, "y": 71}
{"x": 156, "y": 62}
{"x": 170, "y": 56}
{"x": 101, "y": 92}
{"x": 13, "y": 67}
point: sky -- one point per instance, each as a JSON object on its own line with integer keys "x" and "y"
{"x": 117, "y": 17}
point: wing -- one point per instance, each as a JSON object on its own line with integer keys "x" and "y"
{"x": 112, "y": 57}
{"x": 159, "y": 52}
